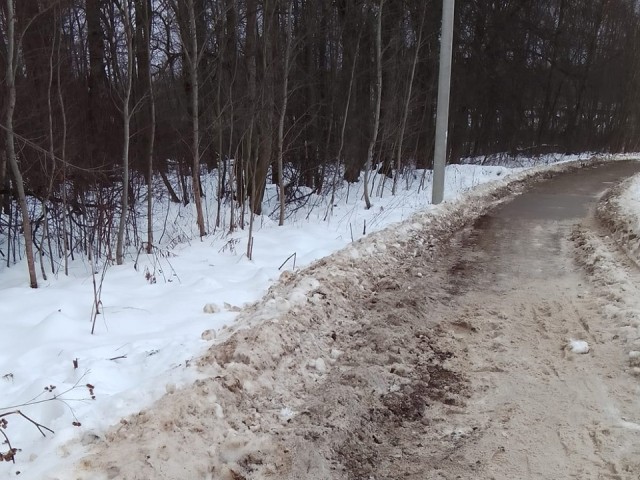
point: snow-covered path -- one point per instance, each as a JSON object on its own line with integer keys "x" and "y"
{"x": 419, "y": 353}
{"x": 538, "y": 407}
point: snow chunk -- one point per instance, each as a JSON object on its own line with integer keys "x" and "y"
{"x": 634, "y": 358}
{"x": 318, "y": 364}
{"x": 578, "y": 346}
{"x": 211, "y": 308}
{"x": 286, "y": 413}
{"x": 335, "y": 353}
{"x": 209, "y": 335}
{"x": 231, "y": 308}
{"x": 298, "y": 295}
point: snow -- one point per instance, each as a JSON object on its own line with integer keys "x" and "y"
{"x": 619, "y": 212}
{"x": 578, "y": 346}
{"x": 152, "y": 317}
{"x": 628, "y": 204}
{"x": 286, "y": 413}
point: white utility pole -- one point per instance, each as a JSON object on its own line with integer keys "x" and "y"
{"x": 442, "y": 115}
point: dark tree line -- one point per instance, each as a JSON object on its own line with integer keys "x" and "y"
{"x": 113, "y": 90}
{"x": 558, "y": 74}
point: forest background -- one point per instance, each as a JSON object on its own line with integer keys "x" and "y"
{"x": 110, "y": 105}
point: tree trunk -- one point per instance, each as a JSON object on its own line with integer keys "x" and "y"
{"x": 10, "y": 77}
{"x": 343, "y": 127}
{"x": 52, "y": 158}
{"x": 192, "y": 62}
{"x": 265, "y": 122}
{"x": 376, "y": 120}
{"x": 126, "y": 119}
{"x": 405, "y": 112}
{"x": 96, "y": 78}
{"x": 4, "y": 189}
{"x": 283, "y": 111}
{"x": 152, "y": 135}
{"x": 63, "y": 161}
{"x": 143, "y": 24}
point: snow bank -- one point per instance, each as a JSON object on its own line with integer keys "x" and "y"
{"x": 618, "y": 281}
{"x": 619, "y": 210}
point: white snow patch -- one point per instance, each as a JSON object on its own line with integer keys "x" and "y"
{"x": 578, "y": 346}
{"x": 318, "y": 364}
{"x": 335, "y": 353}
{"x": 286, "y": 413}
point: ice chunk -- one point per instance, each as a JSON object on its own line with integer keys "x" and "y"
{"x": 578, "y": 346}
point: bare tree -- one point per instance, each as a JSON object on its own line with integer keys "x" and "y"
{"x": 343, "y": 128}
{"x": 283, "y": 111}
{"x": 405, "y": 111}
{"x": 143, "y": 45}
{"x": 192, "y": 56}
{"x": 126, "y": 122}
{"x": 63, "y": 159}
{"x": 3, "y": 179}
{"x": 10, "y": 85}
{"x": 376, "y": 113}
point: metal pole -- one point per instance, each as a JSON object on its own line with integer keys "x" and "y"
{"x": 442, "y": 115}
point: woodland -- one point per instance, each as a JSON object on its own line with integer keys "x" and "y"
{"x": 107, "y": 105}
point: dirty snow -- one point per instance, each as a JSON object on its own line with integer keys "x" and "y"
{"x": 472, "y": 382}
{"x": 628, "y": 204}
{"x": 153, "y": 317}
{"x": 617, "y": 227}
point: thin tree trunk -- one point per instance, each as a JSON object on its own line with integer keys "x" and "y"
{"x": 249, "y": 159}
{"x": 265, "y": 125}
{"x": 247, "y": 182}
{"x": 63, "y": 154}
{"x": 195, "y": 143}
{"x": 10, "y": 76}
{"x": 222, "y": 164}
{"x": 172, "y": 192}
{"x": 152, "y": 125}
{"x": 9, "y": 238}
{"x": 126, "y": 119}
{"x": 405, "y": 112}
{"x": 52, "y": 158}
{"x": 283, "y": 111}
{"x": 343, "y": 128}
{"x": 152, "y": 135}
{"x": 3, "y": 181}
{"x": 376, "y": 121}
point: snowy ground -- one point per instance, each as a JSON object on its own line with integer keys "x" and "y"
{"x": 618, "y": 215}
{"x": 148, "y": 332}
{"x": 622, "y": 210}
{"x": 435, "y": 349}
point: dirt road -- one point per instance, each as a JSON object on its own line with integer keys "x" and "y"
{"x": 419, "y": 355}
{"x": 540, "y": 411}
